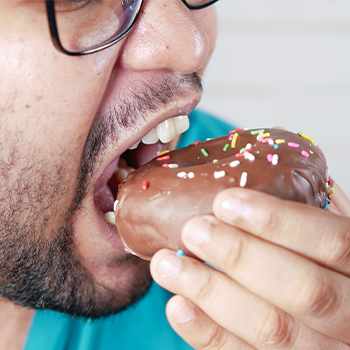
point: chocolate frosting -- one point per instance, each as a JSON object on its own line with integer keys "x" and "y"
{"x": 158, "y": 198}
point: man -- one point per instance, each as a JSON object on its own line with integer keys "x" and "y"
{"x": 117, "y": 70}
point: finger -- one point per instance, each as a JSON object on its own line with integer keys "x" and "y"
{"x": 233, "y": 307}
{"x": 199, "y": 330}
{"x": 340, "y": 202}
{"x": 309, "y": 231}
{"x": 300, "y": 287}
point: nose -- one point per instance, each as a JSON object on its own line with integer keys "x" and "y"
{"x": 168, "y": 35}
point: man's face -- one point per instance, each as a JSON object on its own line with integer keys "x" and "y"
{"x": 65, "y": 122}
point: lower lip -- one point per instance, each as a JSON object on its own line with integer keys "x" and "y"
{"x": 108, "y": 231}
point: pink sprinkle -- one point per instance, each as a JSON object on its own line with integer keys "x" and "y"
{"x": 230, "y": 137}
{"x": 293, "y": 145}
{"x": 267, "y": 140}
{"x": 261, "y": 139}
{"x": 269, "y": 157}
{"x": 305, "y": 154}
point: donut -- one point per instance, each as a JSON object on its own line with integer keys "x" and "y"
{"x": 156, "y": 200}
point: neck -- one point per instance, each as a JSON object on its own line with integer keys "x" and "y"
{"x": 14, "y": 325}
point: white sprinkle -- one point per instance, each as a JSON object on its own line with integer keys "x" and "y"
{"x": 249, "y": 146}
{"x": 274, "y": 159}
{"x": 115, "y": 204}
{"x": 208, "y": 139}
{"x": 249, "y": 156}
{"x": 219, "y": 174}
{"x": 183, "y": 175}
{"x": 271, "y": 142}
{"x": 244, "y": 178}
{"x": 173, "y": 166}
{"x": 234, "y": 163}
{"x": 191, "y": 175}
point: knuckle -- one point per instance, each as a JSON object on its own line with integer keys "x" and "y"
{"x": 234, "y": 253}
{"x": 317, "y": 298}
{"x": 338, "y": 252}
{"x": 277, "y": 330}
{"x": 214, "y": 338}
{"x": 207, "y": 287}
{"x": 269, "y": 225}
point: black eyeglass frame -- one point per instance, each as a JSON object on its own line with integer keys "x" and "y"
{"x": 51, "y": 16}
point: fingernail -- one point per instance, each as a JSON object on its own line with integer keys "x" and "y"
{"x": 199, "y": 231}
{"x": 184, "y": 313}
{"x": 230, "y": 208}
{"x": 169, "y": 266}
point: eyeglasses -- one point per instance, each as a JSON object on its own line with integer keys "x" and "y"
{"x": 81, "y": 27}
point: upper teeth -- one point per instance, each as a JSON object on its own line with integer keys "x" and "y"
{"x": 166, "y": 131}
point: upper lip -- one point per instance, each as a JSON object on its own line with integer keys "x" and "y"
{"x": 131, "y": 136}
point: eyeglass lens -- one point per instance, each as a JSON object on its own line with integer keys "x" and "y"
{"x": 86, "y": 24}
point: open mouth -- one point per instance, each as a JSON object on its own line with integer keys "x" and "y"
{"x": 158, "y": 140}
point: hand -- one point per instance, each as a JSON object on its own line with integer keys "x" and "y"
{"x": 282, "y": 278}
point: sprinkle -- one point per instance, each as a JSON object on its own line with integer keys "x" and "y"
{"x": 305, "y": 154}
{"x": 244, "y": 178}
{"x": 249, "y": 156}
{"x": 307, "y": 138}
{"x": 325, "y": 204}
{"x": 332, "y": 190}
{"x": 144, "y": 185}
{"x": 239, "y": 155}
{"x": 190, "y": 175}
{"x": 256, "y": 132}
{"x": 234, "y": 163}
{"x": 268, "y": 140}
{"x": 163, "y": 158}
{"x": 115, "y": 204}
{"x": 329, "y": 181}
{"x": 173, "y": 166}
{"x": 165, "y": 165}
{"x": 180, "y": 253}
{"x": 163, "y": 152}
{"x": 311, "y": 152}
{"x": 230, "y": 137}
{"x": 183, "y": 175}
{"x": 269, "y": 157}
{"x": 274, "y": 159}
{"x": 242, "y": 150}
{"x": 219, "y": 174}
{"x": 267, "y": 134}
{"x": 275, "y": 146}
{"x": 196, "y": 142}
{"x": 226, "y": 147}
{"x": 234, "y": 140}
{"x": 204, "y": 152}
{"x": 249, "y": 146}
{"x": 280, "y": 141}
{"x": 293, "y": 145}
{"x": 235, "y": 130}
{"x": 215, "y": 161}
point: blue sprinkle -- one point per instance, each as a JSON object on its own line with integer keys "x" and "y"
{"x": 325, "y": 204}
{"x": 180, "y": 253}
{"x": 275, "y": 146}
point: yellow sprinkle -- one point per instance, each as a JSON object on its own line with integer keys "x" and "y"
{"x": 163, "y": 152}
{"x": 234, "y": 140}
{"x": 267, "y": 134}
{"x": 280, "y": 141}
{"x": 332, "y": 190}
{"x": 311, "y": 152}
{"x": 215, "y": 161}
{"x": 308, "y": 138}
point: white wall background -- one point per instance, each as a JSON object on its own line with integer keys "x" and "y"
{"x": 285, "y": 63}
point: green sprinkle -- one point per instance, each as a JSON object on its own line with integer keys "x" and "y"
{"x": 205, "y": 153}
{"x": 256, "y": 132}
{"x": 242, "y": 150}
{"x": 226, "y": 147}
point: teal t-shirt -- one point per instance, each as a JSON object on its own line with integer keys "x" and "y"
{"x": 142, "y": 326}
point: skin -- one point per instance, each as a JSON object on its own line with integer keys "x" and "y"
{"x": 292, "y": 296}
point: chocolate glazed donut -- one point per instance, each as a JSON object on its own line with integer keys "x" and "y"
{"x": 156, "y": 200}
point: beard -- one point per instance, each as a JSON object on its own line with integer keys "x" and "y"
{"x": 39, "y": 264}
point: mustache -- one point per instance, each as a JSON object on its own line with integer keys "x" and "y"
{"x": 150, "y": 96}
